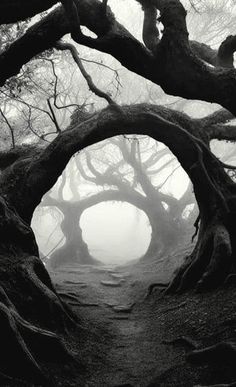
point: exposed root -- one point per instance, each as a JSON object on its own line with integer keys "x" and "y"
{"x": 39, "y": 281}
{"x": 69, "y": 296}
{"x": 220, "y": 262}
{"x": 18, "y": 360}
{"x": 155, "y": 285}
{"x": 208, "y": 265}
{"x": 218, "y": 354}
{"x": 170, "y": 309}
{"x": 22, "y": 342}
{"x": 224, "y": 352}
{"x": 182, "y": 340}
{"x": 175, "y": 283}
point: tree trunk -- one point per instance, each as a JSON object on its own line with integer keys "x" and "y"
{"x": 30, "y": 310}
{"x": 74, "y": 250}
{"x": 167, "y": 233}
{"x": 213, "y": 258}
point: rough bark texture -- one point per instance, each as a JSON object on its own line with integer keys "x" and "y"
{"x": 214, "y": 190}
{"x": 14, "y": 10}
{"x": 175, "y": 65}
{"x": 33, "y": 318}
{"x": 74, "y": 250}
{"x": 29, "y": 172}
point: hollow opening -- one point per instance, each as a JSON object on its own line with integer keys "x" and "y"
{"x": 117, "y": 201}
{"x": 116, "y": 232}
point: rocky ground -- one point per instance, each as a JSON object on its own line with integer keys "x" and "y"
{"x": 130, "y": 338}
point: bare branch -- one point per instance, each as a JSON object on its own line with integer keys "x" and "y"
{"x": 175, "y": 77}
{"x": 67, "y": 46}
{"x": 11, "y": 129}
{"x": 53, "y": 116}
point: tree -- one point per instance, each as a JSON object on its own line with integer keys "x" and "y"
{"x": 132, "y": 174}
{"x": 180, "y": 67}
{"x": 124, "y": 168}
{"x": 74, "y": 250}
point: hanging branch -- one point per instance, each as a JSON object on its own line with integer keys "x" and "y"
{"x": 50, "y": 114}
{"x": 9, "y": 127}
{"x": 54, "y": 118}
{"x": 55, "y": 91}
{"x": 67, "y": 46}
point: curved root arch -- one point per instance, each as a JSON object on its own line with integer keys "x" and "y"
{"x": 214, "y": 190}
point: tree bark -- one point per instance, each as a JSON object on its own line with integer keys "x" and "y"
{"x": 74, "y": 250}
{"x": 33, "y": 171}
{"x": 174, "y": 66}
{"x": 33, "y": 319}
{"x": 214, "y": 190}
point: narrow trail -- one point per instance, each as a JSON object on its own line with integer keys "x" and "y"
{"x": 111, "y": 297}
{"x": 128, "y": 345}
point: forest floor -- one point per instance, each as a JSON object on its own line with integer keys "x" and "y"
{"x": 130, "y": 338}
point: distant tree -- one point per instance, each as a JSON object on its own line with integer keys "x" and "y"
{"x": 124, "y": 169}
{"x": 137, "y": 175}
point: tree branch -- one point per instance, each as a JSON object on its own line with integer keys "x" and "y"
{"x": 138, "y": 119}
{"x": 186, "y": 76}
{"x": 70, "y": 47}
{"x": 11, "y": 129}
{"x": 13, "y": 11}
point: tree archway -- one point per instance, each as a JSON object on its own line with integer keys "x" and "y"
{"x": 145, "y": 188}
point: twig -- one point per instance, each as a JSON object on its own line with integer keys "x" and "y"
{"x": 68, "y": 46}
{"x": 10, "y": 128}
{"x": 54, "y": 118}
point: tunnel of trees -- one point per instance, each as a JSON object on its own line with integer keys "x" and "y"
{"x": 33, "y": 318}
{"x": 121, "y": 180}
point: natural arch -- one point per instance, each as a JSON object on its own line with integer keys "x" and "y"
{"x": 29, "y": 172}
{"x": 161, "y": 207}
{"x": 28, "y": 299}
{"x": 214, "y": 190}
{"x": 74, "y": 249}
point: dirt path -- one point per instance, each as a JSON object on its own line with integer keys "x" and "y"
{"x": 108, "y": 296}
{"x": 131, "y": 331}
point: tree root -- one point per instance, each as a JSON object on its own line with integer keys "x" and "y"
{"x": 182, "y": 340}
{"x": 218, "y": 354}
{"x": 155, "y": 285}
{"x": 69, "y": 296}
{"x": 170, "y": 309}
{"x": 224, "y": 351}
{"x": 208, "y": 265}
{"x": 27, "y": 347}
{"x": 40, "y": 284}
{"x": 22, "y": 341}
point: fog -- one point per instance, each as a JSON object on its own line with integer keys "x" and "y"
{"x": 116, "y": 232}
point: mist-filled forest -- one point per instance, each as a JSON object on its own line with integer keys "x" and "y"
{"x": 117, "y": 193}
